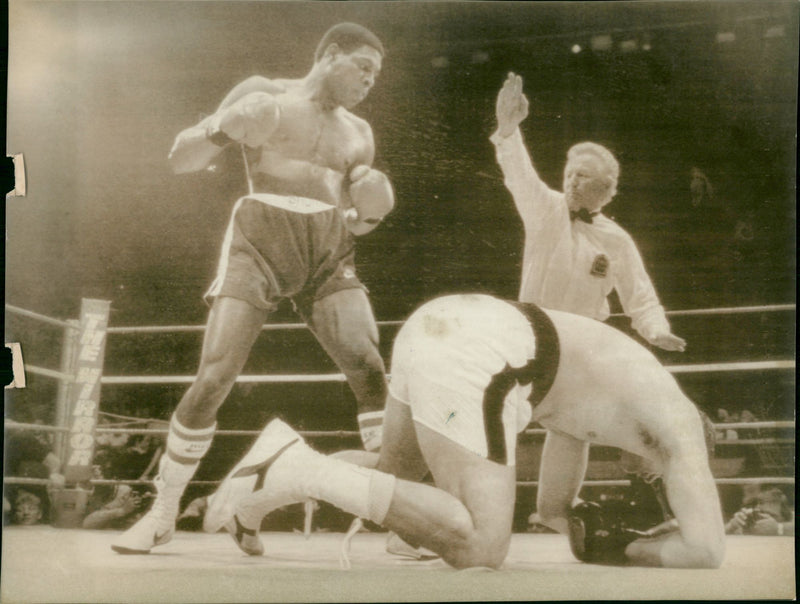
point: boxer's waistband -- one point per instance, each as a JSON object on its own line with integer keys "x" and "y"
{"x": 291, "y": 203}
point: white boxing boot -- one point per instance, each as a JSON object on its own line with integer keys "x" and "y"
{"x": 157, "y": 526}
{"x": 247, "y": 539}
{"x": 398, "y": 547}
{"x": 282, "y": 469}
{"x": 248, "y": 475}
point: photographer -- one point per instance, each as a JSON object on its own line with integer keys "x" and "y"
{"x": 768, "y": 513}
{"x": 121, "y": 512}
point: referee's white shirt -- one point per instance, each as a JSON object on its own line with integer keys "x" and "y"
{"x": 573, "y": 265}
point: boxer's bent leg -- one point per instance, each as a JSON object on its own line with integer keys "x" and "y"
{"x": 467, "y": 519}
{"x": 233, "y": 326}
{"x": 400, "y": 453}
{"x": 359, "y": 457}
{"x": 693, "y": 497}
{"x": 656, "y": 420}
{"x": 561, "y": 472}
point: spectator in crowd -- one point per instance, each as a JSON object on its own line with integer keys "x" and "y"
{"x": 724, "y": 417}
{"x": 121, "y": 512}
{"x": 25, "y": 507}
{"x": 28, "y": 454}
{"x": 123, "y": 456}
{"x": 747, "y": 416}
{"x": 768, "y": 513}
{"x": 700, "y": 188}
{"x": 744, "y": 229}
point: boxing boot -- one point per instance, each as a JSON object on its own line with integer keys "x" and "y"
{"x": 249, "y": 474}
{"x": 157, "y": 526}
{"x": 398, "y": 547}
{"x": 247, "y": 539}
{"x": 286, "y": 470}
{"x": 248, "y": 477}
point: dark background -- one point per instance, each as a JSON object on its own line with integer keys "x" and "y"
{"x": 98, "y": 91}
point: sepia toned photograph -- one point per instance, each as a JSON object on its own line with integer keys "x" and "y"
{"x": 373, "y": 301}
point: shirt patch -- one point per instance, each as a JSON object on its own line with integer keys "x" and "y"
{"x": 600, "y": 266}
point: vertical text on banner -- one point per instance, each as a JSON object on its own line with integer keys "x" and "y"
{"x": 85, "y": 392}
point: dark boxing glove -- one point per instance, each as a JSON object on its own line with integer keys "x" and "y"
{"x": 598, "y": 535}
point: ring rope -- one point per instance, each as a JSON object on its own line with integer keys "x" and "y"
{"x": 737, "y": 366}
{"x": 52, "y": 373}
{"x": 763, "y": 424}
{"x": 128, "y": 418}
{"x": 719, "y": 481}
{"x": 242, "y": 379}
{"x": 754, "y": 441}
{"x": 190, "y": 328}
{"x": 730, "y": 310}
{"x": 339, "y": 377}
{"x": 708, "y": 367}
{"x": 277, "y": 326}
{"x": 72, "y": 325}
{"x": 43, "y": 318}
{"x": 126, "y": 423}
{"x": 12, "y": 425}
{"x": 520, "y": 483}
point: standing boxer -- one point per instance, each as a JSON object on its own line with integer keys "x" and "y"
{"x": 468, "y": 373}
{"x": 311, "y": 190}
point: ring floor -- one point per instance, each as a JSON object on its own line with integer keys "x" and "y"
{"x": 46, "y": 564}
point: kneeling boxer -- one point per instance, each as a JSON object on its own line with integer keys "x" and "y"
{"x": 468, "y": 373}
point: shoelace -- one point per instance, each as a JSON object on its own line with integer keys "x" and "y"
{"x": 344, "y": 552}
{"x": 308, "y": 507}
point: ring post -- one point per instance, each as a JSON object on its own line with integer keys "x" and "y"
{"x": 84, "y": 396}
{"x": 69, "y": 347}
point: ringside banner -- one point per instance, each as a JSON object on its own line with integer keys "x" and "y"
{"x": 85, "y": 392}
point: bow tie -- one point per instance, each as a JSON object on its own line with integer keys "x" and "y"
{"x": 583, "y": 214}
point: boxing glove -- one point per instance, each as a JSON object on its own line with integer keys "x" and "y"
{"x": 371, "y": 194}
{"x": 598, "y": 533}
{"x": 250, "y": 120}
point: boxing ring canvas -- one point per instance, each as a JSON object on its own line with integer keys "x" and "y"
{"x": 197, "y": 567}
{"x": 108, "y": 255}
